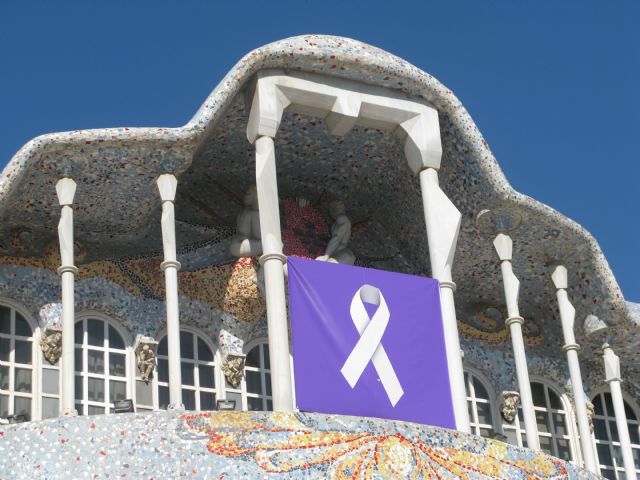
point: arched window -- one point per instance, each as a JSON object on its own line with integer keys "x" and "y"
{"x": 198, "y": 368}
{"x": 606, "y": 434}
{"x": 16, "y": 364}
{"x": 479, "y": 404}
{"x": 555, "y": 430}
{"x": 256, "y": 384}
{"x": 101, "y": 366}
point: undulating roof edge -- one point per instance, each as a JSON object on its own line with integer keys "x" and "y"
{"x": 329, "y": 55}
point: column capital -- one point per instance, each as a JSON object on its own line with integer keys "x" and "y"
{"x": 170, "y": 263}
{"x": 67, "y": 268}
{"x": 448, "y": 284}
{"x": 167, "y": 184}
{"x": 515, "y": 319}
{"x": 611, "y": 364}
{"x": 270, "y": 255}
{"x": 66, "y": 190}
{"x": 559, "y": 277}
{"x": 571, "y": 346}
{"x": 503, "y": 246}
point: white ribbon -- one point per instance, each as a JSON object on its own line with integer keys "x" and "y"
{"x": 369, "y": 347}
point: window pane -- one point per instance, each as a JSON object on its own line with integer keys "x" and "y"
{"x": 78, "y": 360}
{"x": 207, "y": 378}
{"x": 115, "y": 340}
{"x": 186, "y": 345}
{"x": 545, "y": 445}
{"x": 23, "y": 352}
{"x": 96, "y": 389}
{"x": 600, "y": 429}
{"x": 481, "y": 392}
{"x": 485, "y": 432}
{"x": 187, "y": 373}
{"x": 265, "y": 350}
{"x": 4, "y": 405}
{"x": 49, "y": 408}
{"x": 78, "y": 388}
{"x": 207, "y": 401}
{"x": 22, "y": 406}
{"x": 555, "y": 400}
{"x": 253, "y": 357}
{"x": 163, "y": 397}
{"x": 5, "y": 320}
{"x": 597, "y": 405}
{"x": 79, "y": 409}
{"x": 204, "y": 352}
{"x": 537, "y": 391}
{"x": 189, "y": 399}
{"x": 95, "y": 361}
{"x": 254, "y": 384}
{"x": 564, "y": 452}
{"x": 117, "y": 390}
{"x": 49, "y": 381}
{"x": 144, "y": 393}
{"x": 162, "y": 347}
{"x": 163, "y": 370}
{"x": 542, "y": 421}
{"x": 22, "y": 326}
{"x": 95, "y": 410}
{"x": 236, "y": 397}
{"x": 614, "y": 431}
{"x": 269, "y": 405}
{"x": 267, "y": 377}
{"x": 629, "y": 412}
{"x": 254, "y": 404}
{"x": 608, "y": 404}
{"x": 5, "y": 347}
{"x": 634, "y": 435}
{"x": 4, "y": 378}
{"x": 484, "y": 413}
{"x": 617, "y": 452}
{"x": 95, "y": 332}
{"x": 604, "y": 455}
{"x": 117, "y": 364}
{"x": 78, "y": 333}
{"x": 23, "y": 380}
{"x": 559, "y": 423}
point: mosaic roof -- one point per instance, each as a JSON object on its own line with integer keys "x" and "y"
{"x": 117, "y": 206}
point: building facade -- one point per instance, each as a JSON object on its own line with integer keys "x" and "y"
{"x": 153, "y": 258}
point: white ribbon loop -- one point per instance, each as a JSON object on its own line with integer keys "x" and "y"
{"x": 369, "y": 347}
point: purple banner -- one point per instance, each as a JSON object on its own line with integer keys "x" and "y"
{"x": 368, "y": 343}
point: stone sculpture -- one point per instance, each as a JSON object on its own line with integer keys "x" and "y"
{"x": 146, "y": 362}
{"x": 591, "y": 409}
{"x": 247, "y": 240}
{"x": 509, "y": 402}
{"x": 337, "y": 250}
{"x": 51, "y": 344}
{"x": 233, "y": 368}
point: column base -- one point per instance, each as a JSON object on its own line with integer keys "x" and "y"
{"x": 68, "y": 412}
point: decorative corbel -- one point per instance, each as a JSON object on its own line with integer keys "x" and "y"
{"x": 509, "y": 403}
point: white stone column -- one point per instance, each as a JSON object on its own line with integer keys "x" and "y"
{"x": 613, "y": 378}
{"x": 66, "y": 190}
{"x": 272, "y": 261}
{"x": 567, "y": 317}
{"x": 167, "y": 186}
{"x": 504, "y": 247}
{"x": 442, "y": 219}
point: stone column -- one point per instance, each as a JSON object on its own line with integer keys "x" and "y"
{"x": 66, "y": 190}
{"x": 272, "y": 261}
{"x": 442, "y": 219}
{"x": 613, "y": 378}
{"x": 567, "y": 317}
{"x": 504, "y": 247}
{"x": 167, "y": 186}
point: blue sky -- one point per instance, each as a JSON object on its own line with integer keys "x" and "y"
{"x": 553, "y": 86}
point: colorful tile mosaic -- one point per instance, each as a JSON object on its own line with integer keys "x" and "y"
{"x": 236, "y": 445}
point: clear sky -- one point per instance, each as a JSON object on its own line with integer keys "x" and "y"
{"x": 553, "y": 86}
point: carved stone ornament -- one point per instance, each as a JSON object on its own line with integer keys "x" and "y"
{"x": 233, "y": 368}
{"x": 509, "y": 402}
{"x": 146, "y": 357}
{"x": 590, "y": 411}
{"x": 51, "y": 344}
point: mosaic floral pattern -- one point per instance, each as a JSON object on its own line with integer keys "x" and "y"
{"x": 254, "y": 445}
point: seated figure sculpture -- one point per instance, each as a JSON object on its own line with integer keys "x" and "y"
{"x": 337, "y": 250}
{"x": 247, "y": 240}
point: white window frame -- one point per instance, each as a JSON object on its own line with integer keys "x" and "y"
{"x": 219, "y": 380}
{"x": 571, "y": 436}
{"x": 474, "y": 400}
{"x": 258, "y": 342}
{"x": 84, "y": 401}
{"x": 610, "y": 417}
{"x": 35, "y": 367}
